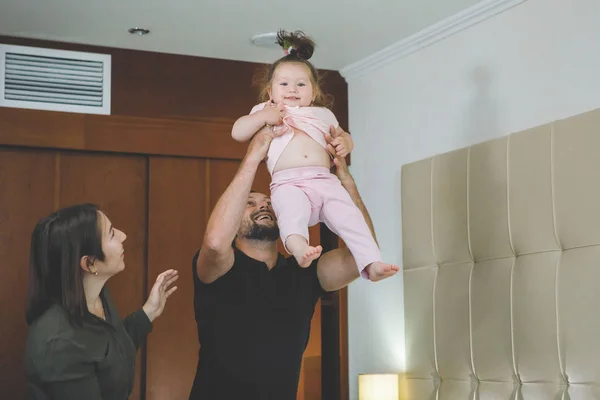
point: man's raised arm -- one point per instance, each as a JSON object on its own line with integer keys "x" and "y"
{"x": 216, "y": 255}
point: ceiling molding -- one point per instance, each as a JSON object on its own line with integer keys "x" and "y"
{"x": 434, "y": 33}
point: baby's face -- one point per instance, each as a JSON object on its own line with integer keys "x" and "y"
{"x": 292, "y": 85}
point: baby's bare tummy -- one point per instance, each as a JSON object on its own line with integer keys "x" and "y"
{"x": 302, "y": 151}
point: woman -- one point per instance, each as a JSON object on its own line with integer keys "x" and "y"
{"x": 77, "y": 346}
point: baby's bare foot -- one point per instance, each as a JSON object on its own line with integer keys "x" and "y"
{"x": 311, "y": 253}
{"x": 380, "y": 270}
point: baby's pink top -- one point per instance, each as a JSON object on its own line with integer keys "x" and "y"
{"x": 315, "y": 121}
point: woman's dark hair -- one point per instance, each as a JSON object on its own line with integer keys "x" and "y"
{"x": 58, "y": 243}
{"x": 299, "y": 49}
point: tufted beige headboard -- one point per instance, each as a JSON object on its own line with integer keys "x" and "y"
{"x": 501, "y": 245}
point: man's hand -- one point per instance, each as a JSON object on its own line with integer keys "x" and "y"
{"x": 341, "y": 168}
{"x": 342, "y": 171}
{"x": 341, "y": 142}
{"x": 259, "y": 145}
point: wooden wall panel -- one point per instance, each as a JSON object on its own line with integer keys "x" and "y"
{"x": 309, "y": 387}
{"x": 20, "y": 127}
{"x": 118, "y": 184}
{"x": 107, "y": 133}
{"x": 311, "y": 373}
{"x": 26, "y": 195}
{"x": 177, "y": 219}
{"x": 207, "y": 138}
{"x": 160, "y": 85}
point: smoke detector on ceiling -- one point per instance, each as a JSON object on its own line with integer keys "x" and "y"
{"x": 268, "y": 40}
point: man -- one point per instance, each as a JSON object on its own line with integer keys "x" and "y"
{"x": 253, "y": 306}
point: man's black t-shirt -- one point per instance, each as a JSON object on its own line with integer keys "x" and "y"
{"x": 253, "y": 328}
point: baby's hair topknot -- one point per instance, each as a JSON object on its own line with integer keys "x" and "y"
{"x": 296, "y": 44}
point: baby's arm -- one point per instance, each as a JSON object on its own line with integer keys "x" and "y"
{"x": 245, "y": 127}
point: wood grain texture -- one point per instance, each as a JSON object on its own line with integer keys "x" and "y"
{"x": 26, "y": 195}
{"x": 311, "y": 371}
{"x": 206, "y": 138}
{"x": 177, "y": 219}
{"x": 33, "y": 128}
{"x": 203, "y": 138}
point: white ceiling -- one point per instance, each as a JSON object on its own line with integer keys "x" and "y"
{"x": 346, "y": 31}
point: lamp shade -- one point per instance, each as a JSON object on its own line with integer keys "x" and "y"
{"x": 378, "y": 387}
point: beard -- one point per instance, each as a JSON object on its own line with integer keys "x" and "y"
{"x": 260, "y": 232}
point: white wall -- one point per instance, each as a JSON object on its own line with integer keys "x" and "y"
{"x": 533, "y": 64}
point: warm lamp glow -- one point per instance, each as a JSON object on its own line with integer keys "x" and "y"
{"x": 378, "y": 387}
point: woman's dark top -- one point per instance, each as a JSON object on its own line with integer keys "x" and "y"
{"x": 93, "y": 362}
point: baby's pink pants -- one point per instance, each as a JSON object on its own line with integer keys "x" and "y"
{"x": 304, "y": 196}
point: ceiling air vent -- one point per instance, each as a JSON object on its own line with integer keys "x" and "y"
{"x": 56, "y": 80}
